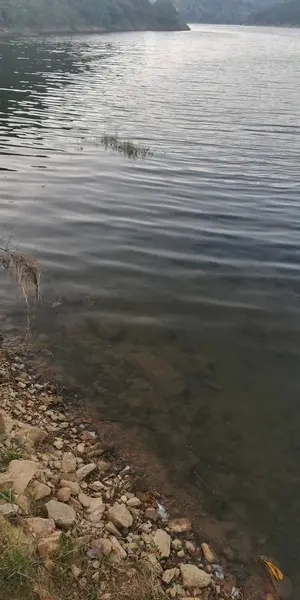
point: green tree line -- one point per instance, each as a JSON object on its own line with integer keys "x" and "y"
{"x": 109, "y": 15}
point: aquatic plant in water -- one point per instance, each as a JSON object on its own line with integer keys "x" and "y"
{"x": 126, "y": 147}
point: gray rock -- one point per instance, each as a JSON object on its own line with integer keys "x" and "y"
{"x": 193, "y": 577}
{"x": 120, "y": 515}
{"x": 63, "y": 515}
{"x": 162, "y": 541}
{"x": 84, "y": 471}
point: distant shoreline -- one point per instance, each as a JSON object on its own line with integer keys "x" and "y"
{"x": 25, "y": 32}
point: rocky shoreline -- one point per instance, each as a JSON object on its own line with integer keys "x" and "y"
{"x": 83, "y": 528}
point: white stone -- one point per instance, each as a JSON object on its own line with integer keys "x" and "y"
{"x": 162, "y": 541}
{"x": 68, "y": 463}
{"x": 193, "y": 577}
{"x": 21, "y": 472}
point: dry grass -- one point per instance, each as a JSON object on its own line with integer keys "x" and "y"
{"x": 136, "y": 581}
{"x": 126, "y": 147}
{"x": 26, "y": 271}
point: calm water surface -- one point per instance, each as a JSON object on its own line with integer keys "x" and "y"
{"x": 177, "y": 276}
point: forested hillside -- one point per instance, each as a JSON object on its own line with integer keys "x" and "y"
{"x": 241, "y": 11}
{"x": 282, "y": 13}
{"x": 81, "y": 15}
{"x": 220, "y": 11}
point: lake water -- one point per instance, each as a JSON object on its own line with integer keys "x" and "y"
{"x": 171, "y": 284}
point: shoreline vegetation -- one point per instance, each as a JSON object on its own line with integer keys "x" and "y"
{"x": 76, "y": 524}
{"x": 27, "y": 17}
{"x": 75, "y": 521}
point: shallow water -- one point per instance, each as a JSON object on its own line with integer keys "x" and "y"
{"x": 174, "y": 279}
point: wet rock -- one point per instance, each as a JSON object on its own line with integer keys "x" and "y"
{"x": 84, "y": 471}
{"x": 21, "y": 472}
{"x": 63, "y": 494}
{"x": 120, "y": 515}
{"x": 162, "y": 541}
{"x": 190, "y": 547}
{"x": 49, "y": 545}
{"x": 180, "y": 525}
{"x": 169, "y": 381}
{"x": 38, "y": 527}
{"x": 40, "y": 490}
{"x": 151, "y": 514}
{"x": 68, "y": 464}
{"x": 73, "y": 485}
{"x": 208, "y": 553}
{"x": 117, "y": 549}
{"x": 193, "y": 577}
{"x": 63, "y": 515}
{"x": 169, "y": 575}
